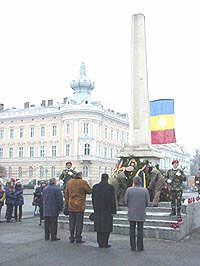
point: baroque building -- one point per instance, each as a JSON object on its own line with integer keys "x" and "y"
{"x": 36, "y": 141}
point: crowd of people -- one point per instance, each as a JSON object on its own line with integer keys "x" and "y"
{"x": 126, "y": 190}
{"x": 12, "y": 196}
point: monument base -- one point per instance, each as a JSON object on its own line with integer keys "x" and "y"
{"x": 145, "y": 152}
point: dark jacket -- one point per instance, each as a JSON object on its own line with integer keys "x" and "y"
{"x": 19, "y": 195}
{"x": 103, "y": 200}
{"x": 10, "y": 196}
{"x": 52, "y": 201}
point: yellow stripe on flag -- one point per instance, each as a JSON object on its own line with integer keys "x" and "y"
{"x": 162, "y": 122}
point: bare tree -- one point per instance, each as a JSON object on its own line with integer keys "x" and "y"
{"x": 195, "y": 163}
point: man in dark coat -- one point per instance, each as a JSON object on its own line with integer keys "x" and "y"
{"x": 52, "y": 205}
{"x": 103, "y": 200}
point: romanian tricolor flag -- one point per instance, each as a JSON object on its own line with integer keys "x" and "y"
{"x": 162, "y": 121}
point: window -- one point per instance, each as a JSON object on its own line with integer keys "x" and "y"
{"x": 11, "y": 133}
{"x": 99, "y": 171}
{"x": 1, "y": 152}
{"x": 53, "y": 171}
{"x": 111, "y": 134}
{"x": 67, "y": 149}
{"x": 117, "y": 135}
{"x": 20, "y": 172}
{"x": 42, "y": 151}
{"x": 41, "y": 171}
{"x": 54, "y": 131}
{"x": 85, "y": 171}
{"x": 1, "y": 133}
{"x": 11, "y": 152}
{"x": 111, "y": 153}
{"x": 42, "y": 131}
{"x": 21, "y": 132}
{"x": 105, "y": 152}
{"x": 87, "y": 149}
{"x": 53, "y": 151}
{"x": 31, "y": 152}
{"x": 10, "y": 172}
{"x": 85, "y": 128}
{"x": 67, "y": 128}
{"x": 122, "y": 136}
{"x": 106, "y": 132}
{"x": 30, "y": 172}
{"x": 21, "y": 150}
{"x": 32, "y": 132}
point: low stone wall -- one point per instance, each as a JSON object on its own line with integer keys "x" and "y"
{"x": 192, "y": 219}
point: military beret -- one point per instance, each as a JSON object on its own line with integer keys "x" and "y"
{"x": 175, "y": 161}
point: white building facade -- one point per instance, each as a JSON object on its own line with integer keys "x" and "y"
{"x": 36, "y": 141}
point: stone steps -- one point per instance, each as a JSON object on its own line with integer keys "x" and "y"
{"x": 157, "y": 225}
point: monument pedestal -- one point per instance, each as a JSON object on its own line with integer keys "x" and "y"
{"x": 144, "y": 152}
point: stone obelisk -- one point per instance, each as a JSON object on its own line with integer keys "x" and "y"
{"x": 139, "y": 124}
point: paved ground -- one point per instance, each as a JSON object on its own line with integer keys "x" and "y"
{"x": 23, "y": 244}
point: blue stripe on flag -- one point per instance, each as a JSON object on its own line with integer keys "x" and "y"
{"x": 161, "y": 107}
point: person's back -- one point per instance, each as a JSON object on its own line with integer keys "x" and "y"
{"x": 52, "y": 205}
{"x": 103, "y": 200}
{"x": 76, "y": 191}
{"x": 52, "y": 200}
{"x": 137, "y": 201}
{"x": 75, "y": 195}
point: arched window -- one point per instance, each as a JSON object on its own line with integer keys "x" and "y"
{"x": 53, "y": 171}
{"x": 20, "y": 172}
{"x": 41, "y": 171}
{"x": 85, "y": 171}
{"x": 10, "y": 172}
{"x": 30, "y": 172}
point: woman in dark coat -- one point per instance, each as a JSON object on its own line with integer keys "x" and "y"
{"x": 19, "y": 200}
{"x": 38, "y": 195}
{"x": 103, "y": 200}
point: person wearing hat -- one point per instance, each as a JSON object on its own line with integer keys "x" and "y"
{"x": 175, "y": 178}
{"x": 121, "y": 182}
{"x": 68, "y": 173}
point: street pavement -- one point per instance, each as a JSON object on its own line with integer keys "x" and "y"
{"x": 23, "y": 244}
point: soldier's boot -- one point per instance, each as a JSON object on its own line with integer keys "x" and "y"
{"x": 173, "y": 212}
{"x": 179, "y": 213}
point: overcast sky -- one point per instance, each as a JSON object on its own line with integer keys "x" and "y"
{"x": 43, "y": 42}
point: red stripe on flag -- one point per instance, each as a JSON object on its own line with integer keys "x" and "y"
{"x": 163, "y": 136}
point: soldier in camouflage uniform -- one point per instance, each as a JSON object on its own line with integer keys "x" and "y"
{"x": 121, "y": 182}
{"x": 68, "y": 173}
{"x": 175, "y": 178}
{"x": 157, "y": 183}
{"x": 197, "y": 181}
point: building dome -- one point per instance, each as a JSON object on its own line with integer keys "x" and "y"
{"x": 83, "y": 84}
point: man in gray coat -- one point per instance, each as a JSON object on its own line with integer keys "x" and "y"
{"x": 137, "y": 199}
